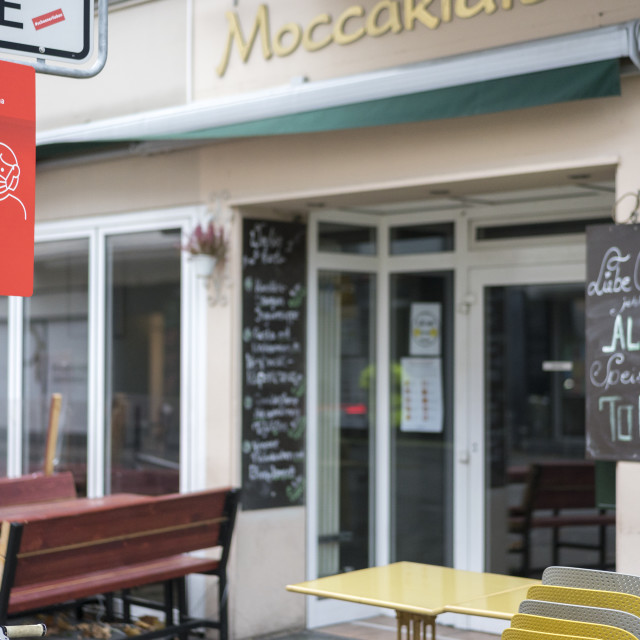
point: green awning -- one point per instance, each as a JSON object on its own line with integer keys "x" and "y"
{"x": 581, "y": 82}
{"x": 593, "y": 80}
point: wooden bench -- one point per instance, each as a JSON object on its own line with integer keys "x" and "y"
{"x": 36, "y": 487}
{"x": 53, "y": 560}
{"x": 558, "y": 495}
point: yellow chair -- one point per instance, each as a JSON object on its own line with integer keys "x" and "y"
{"x": 525, "y": 634}
{"x": 591, "y": 579}
{"x": 596, "y": 615}
{"x": 569, "y": 627}
{"x": 586, "y": 597}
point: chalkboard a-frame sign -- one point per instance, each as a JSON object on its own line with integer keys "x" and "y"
{"x": 273, "y": 353}
{"x": 613, "y": 342}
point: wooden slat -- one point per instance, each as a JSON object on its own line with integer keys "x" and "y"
{"x": 35, "y": 488}
{"x": 91, "y": 583}
{"x": 72, "y": 545}
{"x": 111, "y": 522}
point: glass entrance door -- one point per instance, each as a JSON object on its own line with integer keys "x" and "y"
{"x": 346, "y": 410}
{"x": 381, "y": 402}
{"x": 532, "y": 392}
{"x": 421, "y": 417}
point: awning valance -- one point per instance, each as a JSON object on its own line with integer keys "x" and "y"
{"x": 573, "y": 67}
{"x": 594, "y": 80}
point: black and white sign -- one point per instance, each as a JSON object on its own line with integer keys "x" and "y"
{"x": 613, "y": 342}
{"x": 48, "y": 29}
{"x": 274, "y": 375}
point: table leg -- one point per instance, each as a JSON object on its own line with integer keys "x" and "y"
{"x": 416, "y": 625}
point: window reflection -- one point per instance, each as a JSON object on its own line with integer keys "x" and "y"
{"x": 535, "y": 433}
{"x": 143, "y": 362}
{"x": 346, "y": 397}
{"x": 55, "y": 356}
{"x": 421, "y": 418}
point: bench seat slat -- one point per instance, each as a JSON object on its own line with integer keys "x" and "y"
{"x": 52, "y": 592}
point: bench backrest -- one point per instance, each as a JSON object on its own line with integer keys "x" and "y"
{"x": 36, "y": 487}
{"x": 561, "y": 486}
{"x": 70, "y": 545}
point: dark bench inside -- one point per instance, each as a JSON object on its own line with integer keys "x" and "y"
{"x": 36, "y": 487}
{"x": 557, "y": 495}
{"x": 50, "y": 561}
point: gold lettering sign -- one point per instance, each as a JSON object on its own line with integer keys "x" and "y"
{"x": 353, "y": 24}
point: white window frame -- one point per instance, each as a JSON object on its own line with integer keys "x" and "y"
{"x": 466, "y": 262}
{"x": 193, "y": 335}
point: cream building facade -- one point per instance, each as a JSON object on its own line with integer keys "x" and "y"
{"x": 443, "y": 156}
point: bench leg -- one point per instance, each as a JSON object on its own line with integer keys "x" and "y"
{"x": 555, "y": 546}
{"x": 168, "y": 602}
{"x": 526, "y": 560}
{"x": 222, "y": 601}
{"x": 603, "y": 546}
{"x": 181, "y": 595}
{"x": 126, "y": 605}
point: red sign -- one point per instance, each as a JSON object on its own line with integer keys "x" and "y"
{"x": 48, "y": 19}
{"x": 17, "y": 177}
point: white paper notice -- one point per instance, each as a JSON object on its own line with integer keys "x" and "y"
{"x": 424, "y": 330}
{"x": 422, "y": 395}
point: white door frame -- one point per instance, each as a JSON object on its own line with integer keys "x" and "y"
{"x": 475, "y": 265}
{"x": 479, "y": 279}
{"x": 327, "y": 611}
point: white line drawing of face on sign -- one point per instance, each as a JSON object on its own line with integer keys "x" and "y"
{"x": 9, "y": 176}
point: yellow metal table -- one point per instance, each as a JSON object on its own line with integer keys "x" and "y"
{"x": 420, "y": 592}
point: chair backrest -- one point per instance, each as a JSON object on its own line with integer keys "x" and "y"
{"x": 591, "y": 579}
{"x": 569, "y": 627}
{"x": 596, "y": 615}
{"x": 586, "y": 597}
{"x": 525, "y": 634}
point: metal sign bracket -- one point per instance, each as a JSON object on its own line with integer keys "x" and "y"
{"x": 41, "y": 66}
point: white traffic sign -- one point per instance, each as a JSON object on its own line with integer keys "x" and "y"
{"x": 47, "y": 29}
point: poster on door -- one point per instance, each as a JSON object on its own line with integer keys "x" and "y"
{"x": 424, "y": 329}
{"x": 421, "y": 391}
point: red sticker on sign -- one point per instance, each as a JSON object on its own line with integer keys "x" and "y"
{"x": 48, "y": 19}
{"x": 17, "y": 177}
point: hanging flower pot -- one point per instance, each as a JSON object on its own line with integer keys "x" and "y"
{"x": 207, "y": 246}
{"x": 209, "y": 241}
{"x": 203, "y": 264}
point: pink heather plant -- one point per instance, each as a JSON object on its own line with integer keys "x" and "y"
{"x": 210, "y": 240}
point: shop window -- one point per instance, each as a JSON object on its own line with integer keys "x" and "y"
{"x": 526, "y": 230}
{"x": 143, "y": 362}
{"x": 422, "y": 238}
{"x": 55, "y": 355}
{"x": 347, "y": 238}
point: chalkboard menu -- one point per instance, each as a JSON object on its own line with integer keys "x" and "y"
{"x": 613, "y": 342}
{"x": 273, "y": 341}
